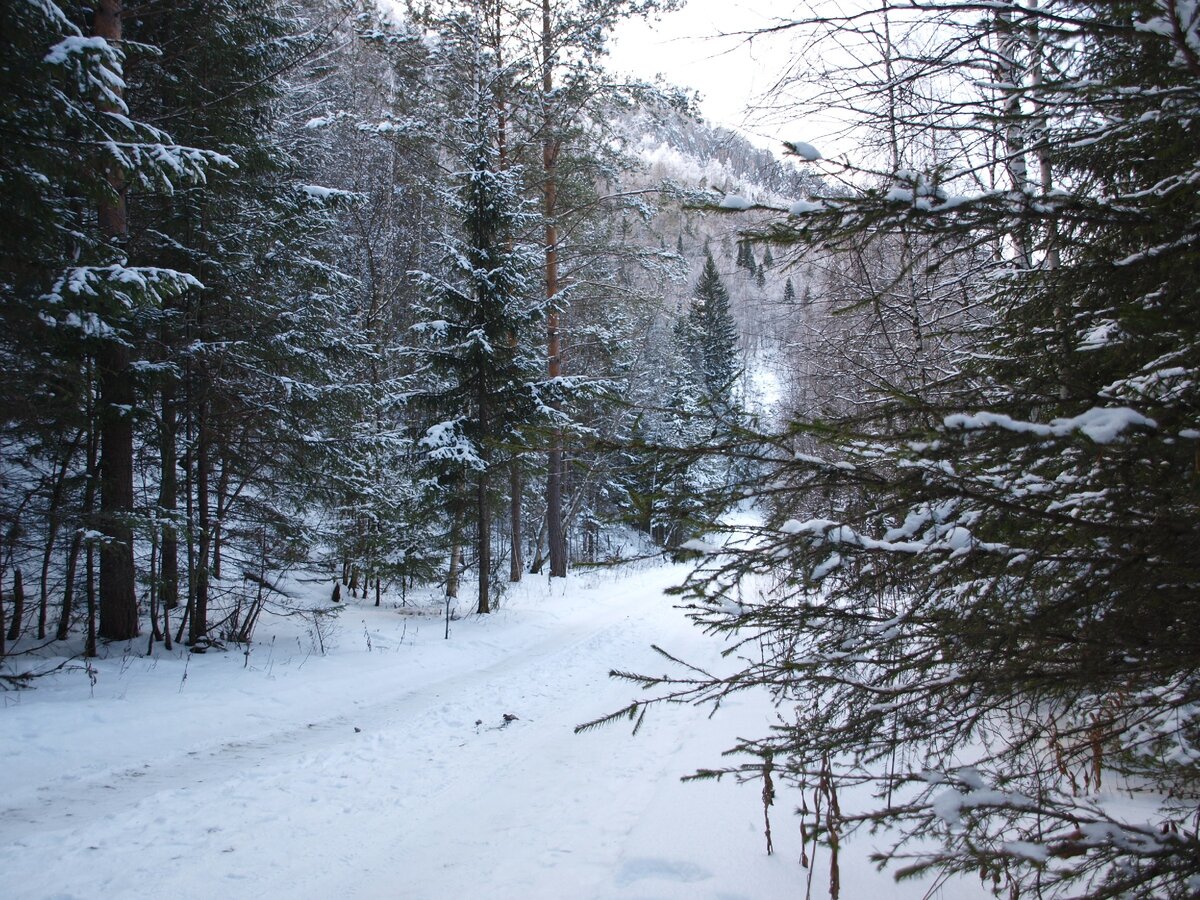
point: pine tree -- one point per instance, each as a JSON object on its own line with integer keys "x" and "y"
{"x": 74, "y": 304}
{"x": 789, "y": 294}
{"x": 479, "y": 374}
{"x": 745, "y": 255}
{"x": 246, "y": 364}
{"x": 663, "y": 480}
{"x": 679, "y": 473}
{"x": 708, "y": 336}
{"x": 477, "y": 352}
{"x": 567, "y": 94}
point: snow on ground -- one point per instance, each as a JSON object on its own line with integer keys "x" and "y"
{"x": 363, "y": 773}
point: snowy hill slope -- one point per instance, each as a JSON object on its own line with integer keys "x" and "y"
{"x": 693, "y": 155}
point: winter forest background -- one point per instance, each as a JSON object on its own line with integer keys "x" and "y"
{"x": 313, "y": 305}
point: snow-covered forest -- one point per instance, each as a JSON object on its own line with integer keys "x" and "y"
{"x": 380, "y": 378}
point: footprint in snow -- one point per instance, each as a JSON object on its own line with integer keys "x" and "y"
{"x": 633, "y": 870}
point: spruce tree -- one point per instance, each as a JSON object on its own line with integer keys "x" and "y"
{"x": 248, "y": 364}
{"x": 75, "y": 298}
{"x": 708, "y": 336}
{"x": 679, "y": 480}
{"x": 478, "y": 374}
{"x": 745, "y": 255}
{"x": 561, "y": 92}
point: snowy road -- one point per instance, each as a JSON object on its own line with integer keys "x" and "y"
{"x": 364, "y": 774}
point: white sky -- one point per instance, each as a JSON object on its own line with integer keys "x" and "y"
{"x": 688, "y": 49}
{"x": 704, "y": 47}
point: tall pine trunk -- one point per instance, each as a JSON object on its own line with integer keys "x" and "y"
{"x": 198, "y": 635}
{"x": 118, "y": 600}
{"x": 18, "y": 606}
{"x": 483, "y": 508}
{"x": 516, "y": 559}
{"x": 168, "y": 501}
{"x": 455, "y": 552}
{"x": 516, "y": 567}
{"x": 458, "y": 507}
{"x": 554, "y": 521}
{"x": 222, "y": 502}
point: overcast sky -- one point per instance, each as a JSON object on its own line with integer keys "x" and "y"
{"x": 704, "y": 47}
{"x": 730, "y": 72}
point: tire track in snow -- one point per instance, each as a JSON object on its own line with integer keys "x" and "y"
{"x": 326, "y": 758}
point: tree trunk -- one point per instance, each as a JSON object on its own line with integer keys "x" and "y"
{"x": 90, "y": 590}
{"x": 199, "y": 627}
{"x": 550, "y": 147}
{"x": 1053, "y": 259}
{"x": 18, "y": 606}
{"x": 168, "y": 501}
{"x": 64, "y": 619}
{"x": 1008, "y": 71}
{"x": 189, "y": 493}
{"x": 118, "y": 600}
{"x": 155, "y": 634}
{"x": 483, "y": 509}
{"x": 89, "y": 504}
{"x": 539, "y": 556}
{"x": 516, "y": 558}
{"x": 166, "y": 628}
{"x": 455, "y": 550}
{"x": 222, "y": 500}
{"x": 55, "y": 520}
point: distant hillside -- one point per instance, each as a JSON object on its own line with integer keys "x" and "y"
{"x": 690, "y": 151}
{"x": 693, "y": 154}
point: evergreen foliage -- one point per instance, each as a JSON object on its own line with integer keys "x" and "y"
{"x": 679, "y": 476}
{"x": 478, "y": 373}
{"x": 745, "y": 255}
{"x": 250, "y": 361}
{"x": 253, "y": 342}
{"x": 708, "y": 338}
{"x": 981, "y": 580}
{"x": 74, "y": 305}
{"x": 478, "y": 366}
